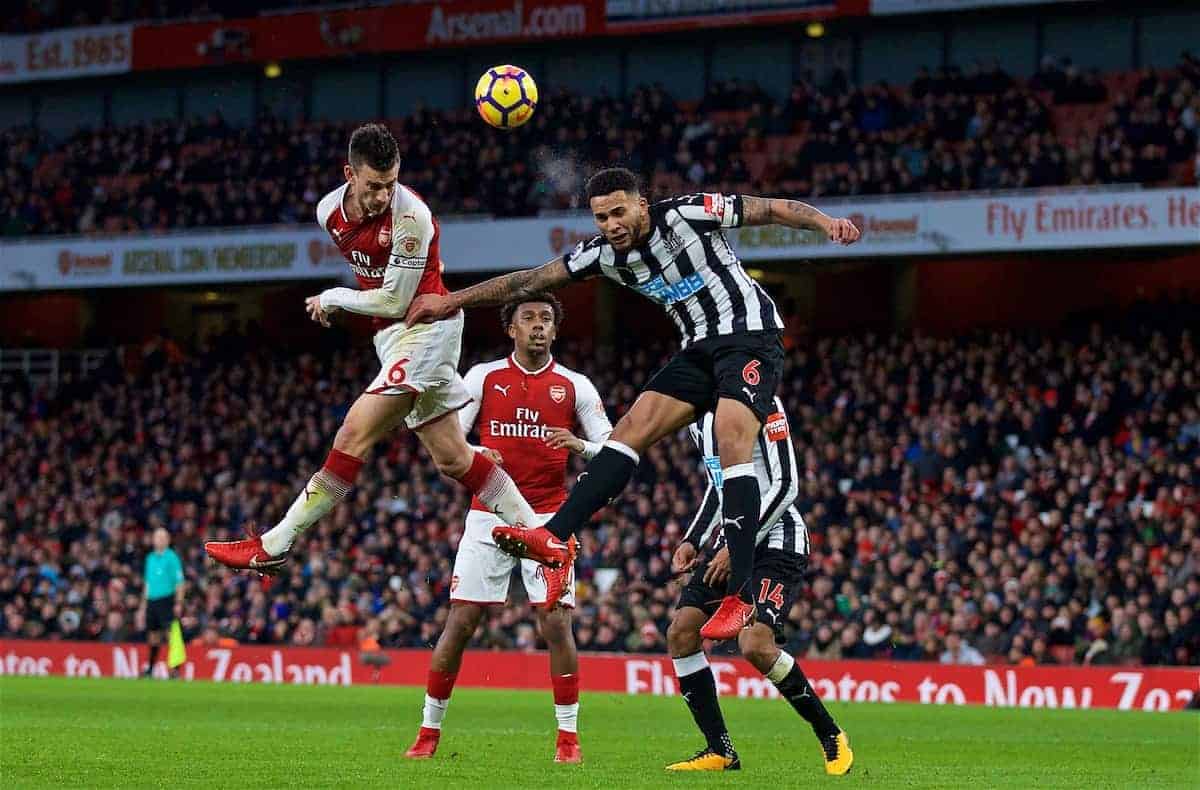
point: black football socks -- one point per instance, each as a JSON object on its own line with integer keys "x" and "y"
{"x": 795, "y": 688}
{"x": 740, "y": 504}
{"x": 606, "y": 476}
{"x": 699, "y": 691}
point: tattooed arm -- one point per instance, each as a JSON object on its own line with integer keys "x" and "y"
{"x": 489, "y": 293}
{"x": 796, "y": 214}
{"x": 515, "y": 285}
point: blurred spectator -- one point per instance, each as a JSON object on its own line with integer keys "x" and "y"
{"x": 958, "y": 651}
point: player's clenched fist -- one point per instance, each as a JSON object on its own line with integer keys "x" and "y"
{"x": 684, "y": 559}
{"x": 842, "y": 231}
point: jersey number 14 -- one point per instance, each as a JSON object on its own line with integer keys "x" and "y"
{"x": 769, "y": 594}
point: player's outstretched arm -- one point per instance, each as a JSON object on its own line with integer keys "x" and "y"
{"x": 797, "y": 214}
{"x": 390, "y": 300}
{"x": 490, "y": 293}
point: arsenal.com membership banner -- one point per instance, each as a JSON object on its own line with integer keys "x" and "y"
{"x": 1120, "y": 687}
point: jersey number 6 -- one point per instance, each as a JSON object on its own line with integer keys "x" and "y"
{"x": 750, "y": 372}
{"x": 396, "y": 374}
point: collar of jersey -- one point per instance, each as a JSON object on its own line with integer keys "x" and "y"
{"x": 342, "y": 205}
{"x": 512, "y": 360}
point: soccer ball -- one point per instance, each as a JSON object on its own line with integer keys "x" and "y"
{"x": 506, "y": 96}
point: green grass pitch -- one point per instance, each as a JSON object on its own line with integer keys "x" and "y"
{"x": 74, "y": 733}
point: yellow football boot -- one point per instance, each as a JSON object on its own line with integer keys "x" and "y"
{"x": 708, "y": 760}
{"x": 838, "y": 757}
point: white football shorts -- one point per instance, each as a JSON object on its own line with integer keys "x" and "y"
{"x": 482, "y": 571}
{"x": 422, "y": 359}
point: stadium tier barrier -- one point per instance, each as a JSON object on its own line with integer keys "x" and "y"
{"x": 1119, "y": 687}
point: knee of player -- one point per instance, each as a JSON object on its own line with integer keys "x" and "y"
{"x": 682, "y": 639}
{"x": 352, "y": 438}
{"x": 555, "y": 625}
{"x": 453, "y": 465}
{"x": 464, "y": 618}
{"x": 758, "y": 647}
{"x": 650, "y": 418}
{"x": 631, "y": 430}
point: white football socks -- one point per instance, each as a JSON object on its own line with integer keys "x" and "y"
{"x": 499, "y": 494}
{"x": 435, "y": 711}
{"x": 568, "y": 717}
{"x": 323, "y": 492}
{"x": 689, "y": 665}
{"x": 782, "y": 666}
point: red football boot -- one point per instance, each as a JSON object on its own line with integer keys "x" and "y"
{"x": 533, "y": 543}
{"x": 732, "y": 616}
{"x": 567, "y": 748}
{"x": 247, "y": 554}
{"x": 425, "y": 746}
{"x": 557, "y": 579}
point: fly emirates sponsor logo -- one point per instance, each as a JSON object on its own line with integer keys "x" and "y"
{"x": 526, "y": 426}
{"x": 360, "y": 264}
{"x": 1053, "y": 217}
{"x": 506, "y": 23}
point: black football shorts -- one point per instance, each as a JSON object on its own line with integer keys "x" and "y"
{"x": 776, "y": 583}
{"x": 745, "y": 366}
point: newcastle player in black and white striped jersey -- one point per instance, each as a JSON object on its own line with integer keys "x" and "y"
{"x": 688, "y": 267}
{"x": 781, "y": 526}
{"x": 675, "y": 253}
{"x": 780, "y": 559}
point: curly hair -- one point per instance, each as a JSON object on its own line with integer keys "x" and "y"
{"x": 613, "y": 179}
{"x": 545, "y": 297}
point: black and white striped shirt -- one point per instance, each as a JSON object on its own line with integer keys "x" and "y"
{"x": 782, "y": 526}
{"x": 687, "y": 266}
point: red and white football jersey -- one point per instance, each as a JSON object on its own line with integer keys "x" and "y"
{"x": 396, "y": 250}
{"x": 512, "y": 410}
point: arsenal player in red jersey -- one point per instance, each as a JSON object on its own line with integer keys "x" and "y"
{"x": 390, "y": 238}
{"x": 525, "y": 409}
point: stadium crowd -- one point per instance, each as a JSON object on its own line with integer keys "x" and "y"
{"x": 1020, "y": 498}
{"x": 948, "y": 130}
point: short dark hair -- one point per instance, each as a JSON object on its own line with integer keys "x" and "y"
{"x": 508, "y": 311}
{"x": 612, "y": 179}
{"x": 373, "y": 144}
